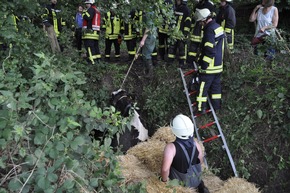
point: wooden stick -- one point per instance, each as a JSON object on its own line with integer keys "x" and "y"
{"x": 280, "y": 38}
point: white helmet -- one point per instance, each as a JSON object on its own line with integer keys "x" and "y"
{"x": 90, "y": 1}
{"x": 182, "y": 127}
{"x": 202, "y": 14}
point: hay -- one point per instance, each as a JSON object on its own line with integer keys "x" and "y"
{"x": 142, "y": 163}
{"x": 132, "y": 169}
{"x": 164, "y": 134}
{"x": 150, "y": 153}
{"x": 154, "y": 185}
{"x": 212, "y": 182}
{"x": 238, "y": 185}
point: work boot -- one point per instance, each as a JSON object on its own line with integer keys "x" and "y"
{"x": 148, "y": 68}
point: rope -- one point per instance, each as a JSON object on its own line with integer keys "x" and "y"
{"x": 135, "y": 57}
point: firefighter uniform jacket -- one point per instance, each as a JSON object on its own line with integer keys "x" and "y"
{"x": 196, "y": 29}
{"x": 129, "y": 26}
{"x": 211, "y": 58}
{"x": 227, "y": 19}
{"x": 183, "y": 19}
{"x": 112, "y": 24}
{"x": 164, "y": 27}
{"x": 51, "y": 17}
{"x": 91, "y": 23}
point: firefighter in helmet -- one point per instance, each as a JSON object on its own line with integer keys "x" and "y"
{"x": 91, "y": 31}
{"x": 210, "y": 60}
{"x": 196, "y": 31}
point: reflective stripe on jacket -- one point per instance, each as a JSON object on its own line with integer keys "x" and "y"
{"x": 50, "y": 17}
{"x": 92, "y": 19}
{"x": 129, "y": 29}
{"x": 183, "y": 20}
{"x": 211, "y": 59}
{"x": 112, "y": 24}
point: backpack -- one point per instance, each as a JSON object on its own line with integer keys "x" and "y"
{"x": 192, "y": 177}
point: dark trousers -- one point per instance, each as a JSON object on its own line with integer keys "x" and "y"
{"x": 131, "y": 47}
{"x": 93, "y": 51}
{"x": 163, "y": 45}
{"x": 78, "y": 38}
{"x": 212, "y": 83}
{"x": 182, "y": 47}
{"x": 108, "y": 44}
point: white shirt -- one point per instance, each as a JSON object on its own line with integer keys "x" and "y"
{"x": 265, "y": 20}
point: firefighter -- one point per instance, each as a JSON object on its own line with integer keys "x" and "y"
{"x": 53, "y": 23}
{"x": 112, "y": 26}
{"x": 196, "y": 31}
{"x": 226, "y": 17}
{"x": 130, "y": 36}
{"x": 210, "y": 60}
{"x": 183, "y": 22}
{"x": 163, "y": 33}
{"x": 91, "y": 31}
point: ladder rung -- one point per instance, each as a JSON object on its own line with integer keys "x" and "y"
{"x": 192, "y": 92}
{"x": 189, "y": 72}
{"x": 200, "y": 114}
{"x": 211, "y": 138}
{"x": 207, "y": 125}
{"x": 193, "y": 104}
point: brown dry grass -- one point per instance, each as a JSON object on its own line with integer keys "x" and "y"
{"x": 143, "y": 162}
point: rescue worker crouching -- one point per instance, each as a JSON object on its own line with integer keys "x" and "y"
{"x": 91, "y": 31}
{"x": 182, "y": 158}
{"x": 210, "y": 61}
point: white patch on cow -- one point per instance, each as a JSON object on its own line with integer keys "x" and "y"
{"x": 136, "y": 122}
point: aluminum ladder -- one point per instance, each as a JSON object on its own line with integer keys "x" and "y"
{"x": 194, "y": 116}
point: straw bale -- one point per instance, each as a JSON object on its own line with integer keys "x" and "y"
{"x": 212, "y": 182}
{"x": 143, "y": 163}
{"x": 150, "y": 153}
{"x": 164, "y": 134}
{"x": 132, "y": 169}
{"x": 238, "y": 185}
{"x": 154, "y": 185}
